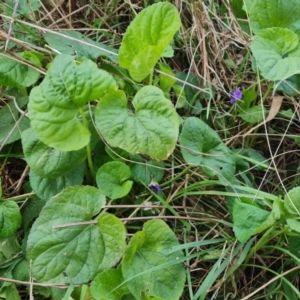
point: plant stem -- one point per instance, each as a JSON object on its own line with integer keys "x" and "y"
{"x": 88, "y": 146}
{"x": 151, "y": 77}
{"x": 263, "y": 241}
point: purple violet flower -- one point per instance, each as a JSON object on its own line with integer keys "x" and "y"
{"x": 236, "y": 95}
{"x": 154, "y": 186}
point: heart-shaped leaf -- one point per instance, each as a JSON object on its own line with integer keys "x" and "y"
{"x": 148, "y": 249}
{"x": 152, "y": 129}
{"x": 55, "y": 106}
{"x": 202, "y": 146}
{"x": 74, "y": 254}
{"x": 277, "y": 53}
{"x": 112, "y": 179}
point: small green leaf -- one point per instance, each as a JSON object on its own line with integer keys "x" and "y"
{"x": 150, "y": 249}
{"x": 10, "y": 218}
{"x": 272, "y": 49}
{"x": 290, "y": 86}
{"x": 56, "y": 105}
{"x": 166, "y": 82}
{"x": 201, "y": 146}
{"x": 141, "y": 171}
{"x": 248, "y": 220}
{"x": 104, "y": 286}
{"x": 152, "y": 130}
{"x": 71, "y": 254}
{"x": 274, "y": 13}
{"x": 253, "y": 114}
{"x": 48, "y": 162}
{"x": 248, "y": 97}
{"x": 31, "y": 210}
{"x": 292, "y": 201}
{"x": 46, "y": 188}
{"x": 147, "y": 37}
{"x": 14, "y": 73}
{"x": 294, "y": 224}
{"x": 112, "y": 179}
{"x": 9, "y": 116}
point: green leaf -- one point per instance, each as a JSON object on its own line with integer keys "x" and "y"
{"x": 14, "y": 73}
{"x": 290, "y": 86}
{"x": 251, "y": 155}
{"x": 141, "y": 171}
{"x": 166, "y": 82}
{"x": 149, "y": 249}
{"x": 249, "y": 96}
{"x": 72, "y": 254}
{"x": 31, "y": 210}
{"x": 152, "y": 130}
{"x": 104, "y": 286}
{"x": 73, "y": 45}
{"x": 248, "y": 220}
{"x": 24, "y": 7}
{"x": 48, "y": 162}
{"x": 10, "y": 218}
{"x": 55, "y": 104}
{"x": 147, "y": 37}
{"x": 46, "y": 188}
{"x": 272, "y": 49}
{"x": 202, "y": 146}
{"x": 292, "y": 201}
{"x": 114, "y": 235}
{"x": 273, "y": 13}
{"x": 112, "y": 179}
{"x": 9, "y": 121}
{"x": 294, "y": 224}
{"x": 253, "y": 114}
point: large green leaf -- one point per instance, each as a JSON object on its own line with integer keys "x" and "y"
{"x": 74, "y": 254}
{"x": 9, "y": 116}
{"x": 14, "y": 73}
{"x": 274, "y": 13}
{"x": 10, "y": 218}
{"x": 46, "y": 188}
{"x": 149, "y": 249}
{"x": 202, "y": 146}
{"x": 277, "y": 53}
{"x": 147, "y": 37}
{"x": 75, "y": 43}
{"x": 55, "y": 104}
{"x": 112, "y": 179}
{"x": 152, "y": 130}
{"x": 48, "y": 162}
